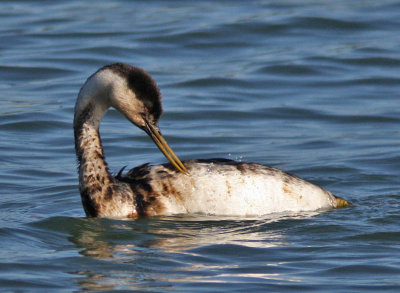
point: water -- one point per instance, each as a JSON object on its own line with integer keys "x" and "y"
{"x": 311, "y": 87}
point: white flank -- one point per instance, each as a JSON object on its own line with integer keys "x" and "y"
{"x": 215, "y": 189}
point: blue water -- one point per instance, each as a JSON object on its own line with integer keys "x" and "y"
{"x": 311, "y": 87}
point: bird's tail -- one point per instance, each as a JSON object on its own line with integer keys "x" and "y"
{"x": 341, "y": 203}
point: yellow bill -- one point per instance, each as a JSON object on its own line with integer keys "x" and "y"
{"x": 165, "y": 148}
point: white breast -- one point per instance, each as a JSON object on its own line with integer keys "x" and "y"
{"x": 242, "y": 189}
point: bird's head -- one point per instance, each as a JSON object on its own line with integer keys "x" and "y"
{"x": 134, "y": 93}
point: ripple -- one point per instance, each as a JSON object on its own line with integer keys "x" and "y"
{"x": 360, "y": 61}
{"x": 19, "y": 73}
{"x": 330, "y": 24}
{"x": 365, "y": 269}
{"x": 289, "y": 69}
{"x": 212, "y": 82}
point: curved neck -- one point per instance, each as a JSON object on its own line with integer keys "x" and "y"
{"x": 94, "y": 177}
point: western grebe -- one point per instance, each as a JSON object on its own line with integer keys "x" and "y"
{"x": 215, "y": 186}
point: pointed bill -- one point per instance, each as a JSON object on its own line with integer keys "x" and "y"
{"x": 161, "y": 143}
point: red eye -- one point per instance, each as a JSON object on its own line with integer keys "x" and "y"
{"x": 146, "y": 110}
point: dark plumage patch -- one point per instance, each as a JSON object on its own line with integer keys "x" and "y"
{"x": 164, "y": 187}
{"x": 140, "y": 183}
{"x": 173, "y": 191}
{"x": 216, "y": 161}
{"x": 164, "y": 174}
{"x": 89, "y": 206}
{"x": 139, "y": 178}
{"x": 241, "y": 167}
{"x": 97, "y": 187}
{"x": 99, "y": 156}
{"x": 109, "y": 193}
{"x": 170, "y": 168}
{"x": 139, "y": 171}
{"x": 119, "y": 175}
{"x": 140, "y": 204}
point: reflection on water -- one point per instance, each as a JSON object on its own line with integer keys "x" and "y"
{"x": 149, "y": 246}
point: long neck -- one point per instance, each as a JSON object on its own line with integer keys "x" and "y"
{"x": 95, "y": 181}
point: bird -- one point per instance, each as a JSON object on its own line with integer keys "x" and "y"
{"x": 219, "y": 187}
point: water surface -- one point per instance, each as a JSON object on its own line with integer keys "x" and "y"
{"x": 311, "y": 87}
